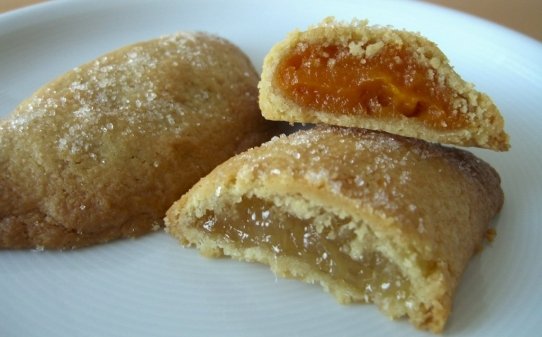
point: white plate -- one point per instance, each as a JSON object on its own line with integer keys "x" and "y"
{"x": 153, "y": 287}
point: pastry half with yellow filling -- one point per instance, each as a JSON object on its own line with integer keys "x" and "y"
{"x": 372, "y": 217}
{"x": 101, "y": 152}
{"x": 355, "y": 75}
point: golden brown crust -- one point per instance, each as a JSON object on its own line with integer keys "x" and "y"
{"x": 422, "y": 206}
{"x": 485, "y": 125}
{"x": 102, "y": 151}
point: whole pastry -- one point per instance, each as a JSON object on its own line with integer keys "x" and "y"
{"x": 101, "y": 152}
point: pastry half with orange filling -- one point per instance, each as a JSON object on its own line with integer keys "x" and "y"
{"x": 379, "y": 78}
{"x": 372, "y": 217}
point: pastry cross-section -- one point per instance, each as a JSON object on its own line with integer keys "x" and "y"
{"x": 101, "y": 152}
{"x": 370, "y": 216}
{"x": 355, "y": 75}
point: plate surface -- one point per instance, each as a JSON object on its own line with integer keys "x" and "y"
{"x": 153, "y": 287}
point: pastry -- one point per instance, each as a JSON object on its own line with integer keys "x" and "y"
{"x": 372, "y": 217}
{"x": 379, "y": 78}
{"x": 101, "y": 152}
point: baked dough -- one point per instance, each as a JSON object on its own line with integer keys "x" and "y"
{"x": 355, "y": 75}
{"x": 372, "y": 217}
{"x": 101, "y": 152}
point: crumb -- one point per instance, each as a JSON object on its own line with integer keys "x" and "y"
{"x": 491, "y": 233}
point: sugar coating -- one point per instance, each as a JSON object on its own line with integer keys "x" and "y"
{"x": 383, "y": 161}
{"x": 121, "y": 92}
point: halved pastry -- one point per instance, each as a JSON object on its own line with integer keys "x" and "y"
{"x": 101, "y": 152}
{"x": 370, "y": 216}
{"x": 378, "y": 78}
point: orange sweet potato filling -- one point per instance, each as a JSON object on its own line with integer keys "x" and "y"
{"x": 389, "y": 84}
